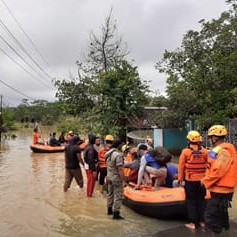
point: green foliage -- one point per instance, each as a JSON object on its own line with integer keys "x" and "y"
{"x": 157, "y": 100}
{"x": 41, "y": 111}
{"x": 121, "y": 95}
{"x": 202, "y": 73}
{"x": 65, "y": 124}
{"x": 108, "y": 92}
{"x": 8, "y": 120}
{"x": 75, "y": 96}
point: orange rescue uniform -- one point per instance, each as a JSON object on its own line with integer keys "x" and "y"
{"x": 222, "y": 175}
{"x": 35, "y": 137}
{"x": 101, "y": 157}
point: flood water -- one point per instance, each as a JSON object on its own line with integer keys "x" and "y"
{"x": 32, "y": 201}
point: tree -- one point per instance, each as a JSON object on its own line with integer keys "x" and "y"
{"x": 202, "y": 73}
{"x": 79, "y": 95}
{"x": 123, "y": 95}
{"x": 75, "y": 96}
{"x": 105, "y": 50}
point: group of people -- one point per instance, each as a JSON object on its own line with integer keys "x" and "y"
{"x": 52, "y": 140}
{"x": 104, "y": 159}
{"x": 210, "y": 178}
{"x": 105, "y": 162}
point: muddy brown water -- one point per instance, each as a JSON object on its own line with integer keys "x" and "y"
{"x": 32, "y": 202}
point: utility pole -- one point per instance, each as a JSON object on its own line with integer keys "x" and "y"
{"x": 1, "y": 120}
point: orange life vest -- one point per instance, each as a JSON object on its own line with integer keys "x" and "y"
{"x": 128, "y": 158}
{"x": 192, "y": 163}
{"x": 196, "y": 163}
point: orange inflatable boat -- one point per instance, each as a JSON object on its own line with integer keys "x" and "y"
{"x": 165, "y": 203}
{"x": 37, "y": 148}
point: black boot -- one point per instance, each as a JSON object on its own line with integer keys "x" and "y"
{"x": 117, "y": 216}
{"x": 109, "y": 212}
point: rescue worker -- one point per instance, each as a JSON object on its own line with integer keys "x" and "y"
{"x": 191, "y": 169}
{"x": 36, "y": 136}
{"x": 102, "y": 168}
{"x": 115, "y": 177}
{"x": 220, "y": 179}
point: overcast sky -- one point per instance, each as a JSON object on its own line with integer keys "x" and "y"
{"x": 60, "y": 31}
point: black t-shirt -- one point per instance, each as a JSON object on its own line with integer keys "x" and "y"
{"x": 91, "y": 156}
{"x": 71, "y": 161}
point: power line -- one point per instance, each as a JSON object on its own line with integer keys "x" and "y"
{"x": 24, "y": 68}
{"x": 27, "y": 36}
{"x": 11, "y": 47}
{"x": 23, "y": 49}
{"x": 17, "y": 91}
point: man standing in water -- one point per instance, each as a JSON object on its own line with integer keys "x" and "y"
{"x": 220, "y": 179}
{"x": 72, "y": 160}
{"x": 114, "y": 162}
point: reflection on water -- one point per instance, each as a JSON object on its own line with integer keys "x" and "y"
{"x": 32, "y": 201}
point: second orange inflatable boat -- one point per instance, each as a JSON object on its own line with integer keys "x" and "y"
{"x": 165, "y": 203}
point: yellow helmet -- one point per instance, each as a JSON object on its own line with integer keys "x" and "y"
{"x": 217, "y": 130}
{"x": 194, "y": 136}
{"x": 124, "y": 148}
{"x": 109, "y": 138}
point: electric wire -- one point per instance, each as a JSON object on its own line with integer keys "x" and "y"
{"x": 24, "y": 50}
{"x": 3, "y": 51}
{"x": 27, "y": 36}
{"x": 23, "y": 59}
{"x": 16, "y": 90}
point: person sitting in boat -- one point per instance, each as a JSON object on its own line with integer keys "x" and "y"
{"x": 156, "y": 165}
{"x": 154, "y": 162}
{"x": 172, "y": 170}
{"x": 133, "y": 166}
{"x": 53, "y": 141}
{"x": 142, "y": 150}
{"x": 61, "y": 139}
{"x": 172, "y": 175}
{"x": 127, "y": 158}
{"x": 36, "y": 137}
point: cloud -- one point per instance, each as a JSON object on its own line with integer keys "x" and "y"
{"x": 60, "y": 29}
